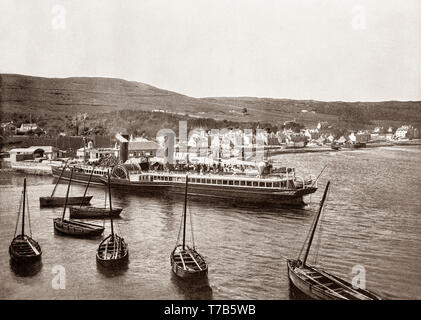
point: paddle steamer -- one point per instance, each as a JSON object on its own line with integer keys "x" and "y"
{"x": 282, "y": 187}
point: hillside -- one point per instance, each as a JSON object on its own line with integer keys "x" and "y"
{"x": 53, "y": 101}
{"x": 310, "y": 111}
{"x": 31, "y": 94}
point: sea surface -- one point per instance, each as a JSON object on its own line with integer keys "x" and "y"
{"x": 372, "y": 222}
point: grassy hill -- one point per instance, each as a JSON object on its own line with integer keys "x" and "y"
{"x": 53, "y": 102}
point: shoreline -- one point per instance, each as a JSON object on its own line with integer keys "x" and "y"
{"x": 45, "y": 169}
{"x": 370, "y": 145}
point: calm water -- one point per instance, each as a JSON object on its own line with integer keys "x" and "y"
{"x": 373, "y": 219}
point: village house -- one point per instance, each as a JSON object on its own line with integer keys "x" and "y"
{"x": 92, "y": 154}
{"x": 141, "y": 147}
{"x": 34, "y": 152}
{"x": 341, "y": 141}
{"x": 380, "y": 134}
{"x": 404, "y": 132}
{"x": 323, "y": 125}
{"x": 360, "y": 137}
{"x": 378, "y": 130}
{"x": 8, "y": 128}
{"x": 27, "y": 127}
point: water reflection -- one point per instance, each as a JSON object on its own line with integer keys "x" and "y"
{"x": 296, "y": 294}
{"x": 25, "y": 270}
{"x": 110, "y": 272}
{"x": 168, "y": 209}
{"x": 193, "y": 289}
{"x": 363, "y": 225}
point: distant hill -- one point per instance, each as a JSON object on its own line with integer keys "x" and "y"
{"x": 47, "y": 98}
{"x": 26, "y": 93}
{"x": 309, "y": 111}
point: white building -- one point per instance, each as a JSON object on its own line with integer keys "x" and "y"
{"x": 404, "y": 132}
{"x": 27, "y": 127}
{"x": 21, "y": 154}
{"x": 94, "y": 154}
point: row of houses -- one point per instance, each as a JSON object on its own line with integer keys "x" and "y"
{"x": 141, "y": 147}
{"x": 10, "y": 128}
{"x": 323, "y": 133}
{"x": 138, "y": 148}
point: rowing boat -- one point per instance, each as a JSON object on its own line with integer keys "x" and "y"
{"x": 92, "y": 212}
{"x": 113, "y": 251}
{"x": 186, "y": 262}
{"x": 319, "y": 284}
{"x": 53, "y": 201}
{"x": 59, "y": 201}
{"x": 23, "y": 249}
{"x": 72, "y": 227}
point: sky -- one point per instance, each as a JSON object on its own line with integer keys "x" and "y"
{"x": 315, "y": 49}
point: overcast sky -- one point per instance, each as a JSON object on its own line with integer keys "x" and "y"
{"x": 322, "y": 49}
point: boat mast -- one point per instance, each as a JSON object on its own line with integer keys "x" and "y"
{"x": 315, "y": 223}
{"x": 111, "y": 207}
{"x": 185, "y": 214}
{"x": 84, "y": 143}
{"x": 23, "y": 213}
{"x": 54, "y": 190}
{"x": 67, "y": 194}
{"x": 87, "y": 186}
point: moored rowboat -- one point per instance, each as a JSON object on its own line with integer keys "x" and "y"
{"x": 23, "y": 249}
{"x": 318, "y": 284}
{"x": 188, "y": 263}
{"x": 93, "y": 212}
{"x": 77, "y": 229}
{"x": 73, "y": 227}
{"x": 85, "y": 212}
{"x": 321, "y": 285}
{"x": 52, "y": 201}
{"x": 59, "y": 201}
{"x": 112, "y": 251}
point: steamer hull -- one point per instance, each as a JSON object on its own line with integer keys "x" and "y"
{"x": 146, "y": 184}
{"x": 78, "y": 177}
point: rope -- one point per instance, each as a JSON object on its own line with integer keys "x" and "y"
{"x": 105, "y": 206}
{"x": 17, "y": 220}
{"x": 191, "y": 226}
{"x": 117, "y": 227}
{"x": 179, "y": 232}
{"x": 319, "y": 240}
{"x": 306, "y": 239}
{"x": 29, "y": 217}
{"x": 312, "y": 225}
{"x": 319, "y": 175}
{"x": 284, "y": 257}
